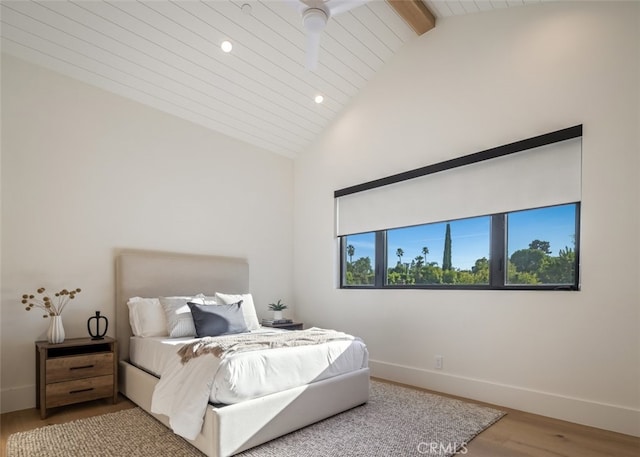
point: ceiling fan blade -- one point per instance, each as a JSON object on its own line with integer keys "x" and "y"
{"x": 336, "y": 7}
{"x": 313, "y": 49}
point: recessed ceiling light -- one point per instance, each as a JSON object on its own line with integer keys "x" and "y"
{"x": 319, "y": 99}
{"x": 226, "y": 46}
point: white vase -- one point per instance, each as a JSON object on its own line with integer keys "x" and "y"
{"x": 277, "y": 315}
{"x": 55, "y": 334}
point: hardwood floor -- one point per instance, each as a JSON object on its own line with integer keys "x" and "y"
{"x": 521, "y": 434}
{"x": 518, "y": 434}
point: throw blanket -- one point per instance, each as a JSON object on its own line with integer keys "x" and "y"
{"x": 252, "y": 342}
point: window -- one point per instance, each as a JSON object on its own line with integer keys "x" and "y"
{"x": 359, "y": 259}
{"x": 503, "y": 218}
{"x": 453, "y": 252}
{"x": 539, "y": 248}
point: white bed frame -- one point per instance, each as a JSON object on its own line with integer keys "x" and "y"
{"x": 229, "y": 429}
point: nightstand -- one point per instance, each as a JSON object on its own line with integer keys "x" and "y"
{"x": 74, "y": 371}
{"x": 288, "y": 326}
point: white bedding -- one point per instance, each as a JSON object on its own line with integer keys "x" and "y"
{"x": 183, "y": 395}
{"x": 152, "y": 353}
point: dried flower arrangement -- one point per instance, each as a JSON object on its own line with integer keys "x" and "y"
{"x": 52, "y": 307}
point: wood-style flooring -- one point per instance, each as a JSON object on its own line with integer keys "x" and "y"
{"x": 518, "y": 434}
{"x": 521, "y": 434}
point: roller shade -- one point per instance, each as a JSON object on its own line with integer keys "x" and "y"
{"x": 542, "y": 176}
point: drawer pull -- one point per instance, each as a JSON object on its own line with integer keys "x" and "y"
{"x": 81, "y": 390}
{"x": 81, "y": 367}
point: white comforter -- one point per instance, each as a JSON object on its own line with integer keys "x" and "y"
{"x": 184, "y": 391}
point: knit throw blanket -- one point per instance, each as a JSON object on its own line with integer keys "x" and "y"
{"x": 227, "y": 345}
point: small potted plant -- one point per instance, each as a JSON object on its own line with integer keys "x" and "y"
{"x": 277, "y": 308}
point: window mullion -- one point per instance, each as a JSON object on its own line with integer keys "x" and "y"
{"x": 498, "y": 248}
{"x": 381, "y": 259}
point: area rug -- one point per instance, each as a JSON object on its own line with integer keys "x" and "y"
{"x": 397, "y": 421}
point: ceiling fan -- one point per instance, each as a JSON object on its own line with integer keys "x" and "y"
{"x": 315, "y": 15}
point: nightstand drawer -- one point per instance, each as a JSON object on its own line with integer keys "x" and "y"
{"x": 79, "y": 367}
{"x": 68, "y": 392}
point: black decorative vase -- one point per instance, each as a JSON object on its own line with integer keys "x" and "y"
{"x": 97, "y": 335}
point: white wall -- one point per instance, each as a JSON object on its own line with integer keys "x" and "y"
{"x": 85, "y": 172}
{"x": 472, "y": 83}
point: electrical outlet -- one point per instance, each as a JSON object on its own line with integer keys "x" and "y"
{"x": 439, "y": 360}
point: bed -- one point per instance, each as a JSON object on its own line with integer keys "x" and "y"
{"x": 228, "y": 429}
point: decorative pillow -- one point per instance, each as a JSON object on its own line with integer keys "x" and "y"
{"x": 248, "y": 308}
{"x": 218, "y": 320}
{"x": 178, "y": 315}
{"x": 146, "y": 317}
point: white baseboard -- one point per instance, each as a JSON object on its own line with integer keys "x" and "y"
{"x": 586, "y": 412}
{"x": 17, "y": 398}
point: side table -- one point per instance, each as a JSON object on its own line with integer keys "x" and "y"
{"x": 74, "y": 371}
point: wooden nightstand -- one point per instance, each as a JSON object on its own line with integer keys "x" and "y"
{"x": 74, "y": 371}
{"x": 288, "y": 326}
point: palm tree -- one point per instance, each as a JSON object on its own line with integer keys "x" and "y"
{"x": 400, "y": 253}
{"x": 425, "y": 251}
{"x": 350, "y": 251}
{"x": 418, "y": 264}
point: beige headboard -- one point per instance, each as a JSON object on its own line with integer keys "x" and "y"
{"x": 157, "y": 274}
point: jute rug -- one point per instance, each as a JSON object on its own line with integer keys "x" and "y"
{"x": 397, "y": 421}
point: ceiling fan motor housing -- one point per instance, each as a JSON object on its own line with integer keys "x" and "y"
{"x": 314, "y": 19}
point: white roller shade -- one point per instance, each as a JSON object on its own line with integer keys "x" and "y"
{"x": 542, "y": 176}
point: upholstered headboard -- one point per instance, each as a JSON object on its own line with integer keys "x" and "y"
{"x": 156, "y": 274}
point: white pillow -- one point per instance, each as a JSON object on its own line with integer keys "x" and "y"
{"x": 178, "y": 315}
{"x": 200, "y": 299}
{"x": 147, "y": 317}
{"x": 248, "y": 308}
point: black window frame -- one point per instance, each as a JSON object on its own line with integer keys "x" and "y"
{"x": 497, "y": 261}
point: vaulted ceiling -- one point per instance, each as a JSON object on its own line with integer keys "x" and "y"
{"x": 166, "y": 54}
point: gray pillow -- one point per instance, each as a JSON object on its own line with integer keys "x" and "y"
{"x": 179, "y": 320}
{"x": 218, "y": 319}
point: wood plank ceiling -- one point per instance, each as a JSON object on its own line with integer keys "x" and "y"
{"x": 166, "y": 54}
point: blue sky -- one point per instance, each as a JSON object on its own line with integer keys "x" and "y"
{"x": 470, "y": 237}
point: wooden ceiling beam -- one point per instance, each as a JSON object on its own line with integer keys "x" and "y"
{"x": 415, "y": 13}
